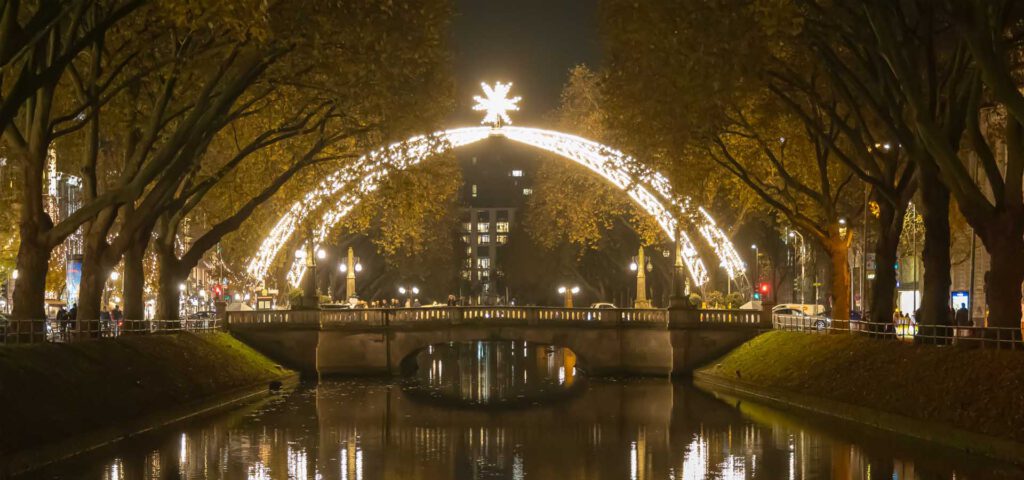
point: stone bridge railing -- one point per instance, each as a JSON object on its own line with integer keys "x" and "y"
{"x": 385, "y": 317}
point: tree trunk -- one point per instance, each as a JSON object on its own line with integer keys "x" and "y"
{"x": 1004, "y": 242}
{"x": 134, "y": 285}
{"x": 30, "y": 292}
{"x": 883, "y": 290}
{"x": 839, "y": 271}
{"x": 936, "y": 256}
{"x": 170, "y": 278}
{"x": 95, "y": 272}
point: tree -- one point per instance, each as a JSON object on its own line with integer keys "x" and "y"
{"x": 962, "y": 54}
{"x": 714, "y": 108}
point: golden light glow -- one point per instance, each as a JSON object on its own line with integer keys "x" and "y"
{"x": 496, "y": 104}
{"x": 648, "y": 189}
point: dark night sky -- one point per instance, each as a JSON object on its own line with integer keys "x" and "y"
{"x": 532, "y": 43}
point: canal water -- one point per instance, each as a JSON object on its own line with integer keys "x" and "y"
{"x": 509, "y": 410}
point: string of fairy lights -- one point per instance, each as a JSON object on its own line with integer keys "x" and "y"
{"x": 348, "y": 185}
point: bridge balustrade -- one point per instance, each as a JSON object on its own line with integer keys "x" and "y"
{"x": 524, "y": 315}
{"x": 744, "y": 317}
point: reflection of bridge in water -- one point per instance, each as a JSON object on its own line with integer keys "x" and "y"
{"x": 607, "y": 341}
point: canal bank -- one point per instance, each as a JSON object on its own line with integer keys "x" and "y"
{"x": 61, "y": 399}
{"x": 968, "y": 399}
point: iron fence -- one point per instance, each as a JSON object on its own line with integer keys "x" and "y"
{"x": 907, "y": 331}
{"x": 39, "y": 331}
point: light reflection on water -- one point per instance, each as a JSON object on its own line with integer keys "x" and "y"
{"x": 636, "y": 429}
{"x": 489, "y": 373}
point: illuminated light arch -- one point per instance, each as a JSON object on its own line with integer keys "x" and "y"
{"x": 648, "y": 189}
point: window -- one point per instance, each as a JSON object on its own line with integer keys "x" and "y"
{"x": 483, "y": 226}
{"x": 467, "y": 227}
{"x": 469, "y": 251}
{"x": 474, "y": 190}
{"x": 484, "y": 239}
{"x": 502, "y": 239}
{"x": 517, "y": 173}
{"x": 526, "y": 191}
{"x": 465, "y": 239}
{"x": 484, "y": 263}
{"x": 485, "y": 275}
{"x": 501, "y": 227}
{"x": 467, "y": 275}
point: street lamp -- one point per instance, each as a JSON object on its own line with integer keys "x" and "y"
{"x": 757, "y": 256}
{"x": 639, "y": 265}
{"x": 409, "y": 292}
{"x": 568, "y": 293}
{"x": 351, "y": 266}
{"x": 803, "y": 263}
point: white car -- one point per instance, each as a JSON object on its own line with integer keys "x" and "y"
{"x": 603, "y": 305}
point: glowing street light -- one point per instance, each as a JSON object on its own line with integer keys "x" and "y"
{"x": 115, "y": 276}
{"x": 321, "y": 254}
{"x": 568, "y": 293}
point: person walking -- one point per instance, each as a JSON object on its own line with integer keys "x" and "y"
{"x": 963, "y": 321}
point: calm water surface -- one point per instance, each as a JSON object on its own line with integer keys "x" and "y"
{"x": 505, "y": 410}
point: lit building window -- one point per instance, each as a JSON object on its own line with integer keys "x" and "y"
{"x": 526, "y": 191}
{"x": 467, "y": 275}
{"x": 485, "y": 275}
{"x": 501, "y": 227}
{"x": 484, "y": 263}
{"x": 483, "y": 226}
{"x": 466, "y": 226}
{"x": 484, "y": 239}
{"x": 465, "y": 239}
{"x": 474, "y": 190}
{"x": 517, "y": 173}
{"x": 502, "y": 239}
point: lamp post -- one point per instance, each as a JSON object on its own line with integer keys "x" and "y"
{"x": 803, "y": 264}
{"x": 641, "y": 267}
{"x": 568, "y": 293}
{"x": 408, "y": 293}
{"x": 351, "y": 267}
{"x": 757, "y": 257}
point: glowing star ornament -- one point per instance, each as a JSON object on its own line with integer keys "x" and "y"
{"x": 496, "y": 104}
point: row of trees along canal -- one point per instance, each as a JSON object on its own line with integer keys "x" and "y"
{"x": 174, "y": 109}
{"x": 807, "y": 103}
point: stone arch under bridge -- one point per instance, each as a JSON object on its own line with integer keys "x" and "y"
{"x": 337, "y": 194}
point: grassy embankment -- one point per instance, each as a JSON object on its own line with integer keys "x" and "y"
{"x": 974, "y": 390}
{"x": 52, "y": 392}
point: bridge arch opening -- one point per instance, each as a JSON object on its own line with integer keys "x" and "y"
{"x": 676, "y": 215}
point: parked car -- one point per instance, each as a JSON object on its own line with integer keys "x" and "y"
{"x": 603, "y": 305}
{"x": 796, "y": 319}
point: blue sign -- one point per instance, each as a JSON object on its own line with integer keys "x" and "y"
{"x": 960, "y": 297}
{"x": 73, "y": 278}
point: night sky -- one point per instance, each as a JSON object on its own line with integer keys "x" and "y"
{"x": 532, "y": 43}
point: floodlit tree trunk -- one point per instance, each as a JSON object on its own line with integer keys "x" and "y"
{"x": 95, "y": 272}
{"x": 935, "y": 256}
{"x": 1004, "y": 242}
{"x": 168, "y": 294}
{"x": 839, "y": 270}
{"x": 30, "y": 290}
{"x": 883, "y": 290}
{"x": 33, "y": 253}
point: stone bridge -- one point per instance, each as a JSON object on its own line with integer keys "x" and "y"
{"x": 606, "y": 341}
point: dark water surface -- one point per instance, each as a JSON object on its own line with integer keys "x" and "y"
{"x": 505, "y": 410}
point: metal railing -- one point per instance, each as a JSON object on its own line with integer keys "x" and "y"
{"x": 907, "y": 331}
{"x": 39, "y": 331}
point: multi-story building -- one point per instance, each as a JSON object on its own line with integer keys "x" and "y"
{"x": 497, "y": 181}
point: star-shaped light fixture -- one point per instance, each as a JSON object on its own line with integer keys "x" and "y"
{"x": 496, "y": 104}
